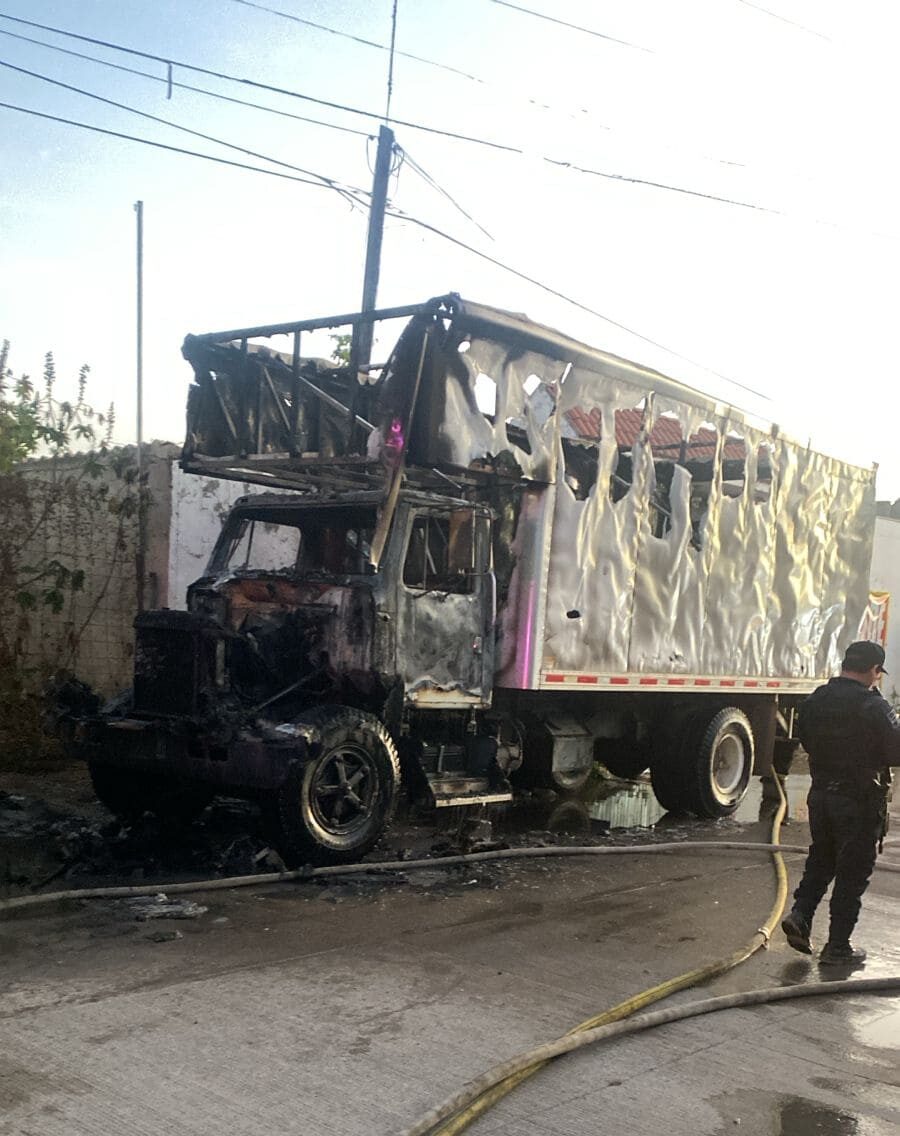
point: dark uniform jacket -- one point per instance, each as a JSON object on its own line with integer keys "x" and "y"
{"x": 852, "y": 736}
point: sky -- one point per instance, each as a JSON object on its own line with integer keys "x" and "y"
{"x": 631, "y": 120}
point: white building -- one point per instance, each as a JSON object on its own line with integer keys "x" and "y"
{"x": 885, "y": 577}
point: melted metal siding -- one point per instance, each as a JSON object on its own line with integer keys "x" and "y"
{"x": 625, "y": 561}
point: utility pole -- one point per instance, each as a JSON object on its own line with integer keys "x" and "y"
{"x": 141, "y": 552}
{"x": 361, "y": 345}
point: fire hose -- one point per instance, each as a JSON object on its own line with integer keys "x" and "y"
{"x": 458, "y": 1111}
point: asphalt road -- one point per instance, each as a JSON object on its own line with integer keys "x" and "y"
{"x": 353, "y": 1007}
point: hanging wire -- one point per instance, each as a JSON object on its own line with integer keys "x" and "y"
{"x": 414, "y": 165}
{"x": 390, "y": 81}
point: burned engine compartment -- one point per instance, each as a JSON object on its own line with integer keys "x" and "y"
{"x": 285, "y": 614}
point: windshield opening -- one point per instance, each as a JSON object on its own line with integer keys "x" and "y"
{"x": 333, "y": 542}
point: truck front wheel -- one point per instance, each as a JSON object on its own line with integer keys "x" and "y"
{"x": 708, "y": 773}
{"x": 335, "y": 807}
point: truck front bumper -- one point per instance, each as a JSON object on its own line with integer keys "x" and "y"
{"x": 245, "y": 765}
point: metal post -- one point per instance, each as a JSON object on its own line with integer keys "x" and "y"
{"x": 361, "y": 344}
{"x": 140, "y": 555}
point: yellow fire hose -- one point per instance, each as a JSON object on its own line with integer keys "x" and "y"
{"x": 485, "y": 1099}
{"x": 460, "y": 1110}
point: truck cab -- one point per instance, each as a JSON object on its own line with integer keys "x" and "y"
{"x": 294, "y": 646}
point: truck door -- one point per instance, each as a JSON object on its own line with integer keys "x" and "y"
{"x": 445, "y": 645}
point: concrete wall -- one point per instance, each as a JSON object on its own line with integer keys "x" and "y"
{"x": 199, "y": 506}
{"x": 93, "y": 636}
{"x": 58, "y": 513}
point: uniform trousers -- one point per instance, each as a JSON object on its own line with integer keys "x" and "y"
{"x": 845, "y": 831}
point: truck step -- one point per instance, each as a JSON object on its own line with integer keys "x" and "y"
{"x": 457, "y": 790}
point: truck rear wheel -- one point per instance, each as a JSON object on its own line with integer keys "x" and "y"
{"x": 708, "y": 773}
{"x": 335, "y": 807}
{"x": 130, "y": 793}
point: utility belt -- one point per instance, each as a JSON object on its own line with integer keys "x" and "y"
{"x": 877, "y": 795}
{"x": 869, "y": 792}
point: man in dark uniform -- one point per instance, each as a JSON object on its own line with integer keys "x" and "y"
{"x": 852, "y": 736}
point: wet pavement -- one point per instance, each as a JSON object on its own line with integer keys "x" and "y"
{"x": 353, "y": 1005}
{"x": 72, "y": 841}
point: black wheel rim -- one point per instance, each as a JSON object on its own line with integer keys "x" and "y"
{"x": 344, "y": 789}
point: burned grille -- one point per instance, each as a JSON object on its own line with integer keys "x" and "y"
{"x": 166, "y": 664}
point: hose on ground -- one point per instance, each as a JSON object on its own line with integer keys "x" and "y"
{"x": 535, "y": 1058}
{"x": 220, "y": 883}
{"x": 182, "y": 887}
{"x": 466, "y": 1106}
{"x": 479, "y": 1101}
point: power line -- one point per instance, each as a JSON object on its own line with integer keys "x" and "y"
{"x": 398, "y": 215}
{"x": 252, "y": 83}
{"x": 352, "y": 110}
{"x": 426, "y": 177}
{"x": 171, "y": 149}
{"x": 405, "y": 54}
{"x": 777, "y": 16}
{"x": 184, "y": 86}
{"x": 345, "y": 191}
{"x": 286, "y": 113}
{"x": 574, "y": 27}
{"x": 500, "y": 146}
{"x": 275, "y": 110}
{"x": 356, "y": 39}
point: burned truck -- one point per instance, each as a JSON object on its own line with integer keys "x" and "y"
{"x": 500, "y": 556}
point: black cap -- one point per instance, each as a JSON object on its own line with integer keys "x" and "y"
{"x": 862, "y": 655}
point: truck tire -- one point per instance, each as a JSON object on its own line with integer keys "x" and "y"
{"x": 667, "y": 778}
{"x": 720, "y": 764}
{"x": 335, "y": 807}
{"x": 707, "y": 769}
{"x": 667, "y": 743}
{"x": 130, "y": 793}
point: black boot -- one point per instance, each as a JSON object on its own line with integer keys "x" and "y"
{"x": 796, "y": 927}
{"x": 841, "y": 954}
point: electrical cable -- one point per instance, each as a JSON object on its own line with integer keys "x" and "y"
{"x": 327, "y": 181}
{"x": 184, "y": 86}
{"x": 356, "y": 39}
{"x": 435, "y": 185}
{"x": 417, "y": 58}
{"x": 500, "y": 146}
{"x": 169, "y": 82}
{"x": 171, "y": 149}
{"x": 347, "y": 194}
{"x": 401, "y": 216}
{"x": 574, "y": 27}
{"x": 784, "y": 19}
